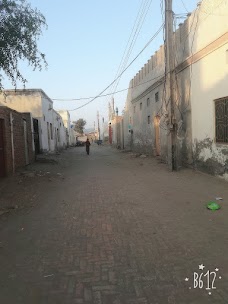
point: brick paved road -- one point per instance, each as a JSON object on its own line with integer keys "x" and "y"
{"x": 116, "y": 230}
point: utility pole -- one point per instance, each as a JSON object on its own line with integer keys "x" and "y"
{"x": 98, "y": 125}
{"x": 170, "y": 89}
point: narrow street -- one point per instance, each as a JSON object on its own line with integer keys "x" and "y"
{"x": 115, "y": 229}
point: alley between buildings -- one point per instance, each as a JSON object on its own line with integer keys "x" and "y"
{"x": 110, "y": 228}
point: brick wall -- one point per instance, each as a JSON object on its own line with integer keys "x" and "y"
{"x": 19, "y": 139}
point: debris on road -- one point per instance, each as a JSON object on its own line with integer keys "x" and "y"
{"x": 143, "y": 156}
{"x": 213, "y": 206}
{"x": 28, "y": 174}
{"x": 219, "y": 198}
{"x": 3, "y": 211}
{"x": 49, "y": 275}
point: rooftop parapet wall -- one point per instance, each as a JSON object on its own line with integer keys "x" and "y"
{"x": 150, "y": 73}
{"x": 203, "y": 26}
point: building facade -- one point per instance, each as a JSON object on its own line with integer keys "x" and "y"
{"x": 16, "y": 140}
{"x": 49, "y": 131}
{"x": 201, "y": 93}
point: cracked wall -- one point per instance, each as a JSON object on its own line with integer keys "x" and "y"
{"x": 211, "y": 158}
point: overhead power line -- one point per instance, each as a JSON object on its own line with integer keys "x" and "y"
{"x": 132, "y": 31}
{"x": 84, "y": 98}
{"x": 185, "y": 7}
{"x": 134, "y": 39}
{"x": 148, "y": 43}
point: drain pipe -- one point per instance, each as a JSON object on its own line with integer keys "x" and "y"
{"x": 12, "y": 141}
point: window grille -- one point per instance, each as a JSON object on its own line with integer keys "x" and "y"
{"x": 221, "y": 120}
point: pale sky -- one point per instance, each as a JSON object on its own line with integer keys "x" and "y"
{"x": 84, "y": 44}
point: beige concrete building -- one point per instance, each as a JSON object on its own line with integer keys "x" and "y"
{"x": 201, "y": 98}
{"x": 49, "y": 131}
{"x": 66, "y": 121}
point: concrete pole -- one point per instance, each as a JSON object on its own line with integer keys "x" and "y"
{"x": 170, "y": 89}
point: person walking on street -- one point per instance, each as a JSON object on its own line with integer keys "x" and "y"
{"x": 87, "y": 146}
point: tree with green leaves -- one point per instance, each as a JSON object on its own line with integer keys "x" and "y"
{"x": 79, "y": 125}
{"x": 20, "y": 29}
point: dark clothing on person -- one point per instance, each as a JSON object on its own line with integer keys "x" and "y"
{"x": 87, "y": 146}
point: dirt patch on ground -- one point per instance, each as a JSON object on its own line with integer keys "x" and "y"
{"x": 22, "y": 190}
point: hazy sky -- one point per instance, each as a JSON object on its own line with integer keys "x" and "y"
{"x": 84, "y": 44}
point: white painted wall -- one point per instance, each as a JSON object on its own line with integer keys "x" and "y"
{"x": 66, "y": 120}
{"x": 27, "y": 101}
{"x": 46, "y": 122}
{"x": 40, "y": 106}
{"x": 205, "y": 81}
{"x": 59, "y": 131}
{"x": 72, "y": 137}
{"x": 210, "y": 82}
{"x": 23, "y": 101}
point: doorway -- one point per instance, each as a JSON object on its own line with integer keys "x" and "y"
{"x": 36, "y": 136}
{"x": 157, "y": 135}
{"x": 26, "y": 143}
{"x": 2, "y": 156}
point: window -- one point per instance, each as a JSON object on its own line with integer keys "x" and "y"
{"x": 157, "y": 97}
{"x": 51, "y": 130}
{"x": 44, "y": 117}
{"x": 134, "y": 109}
{"x": 148, "y": 102}
{"x": 148, "y": 120}
{"x": 140, "y": 105}
{"x": 221, "y": 120}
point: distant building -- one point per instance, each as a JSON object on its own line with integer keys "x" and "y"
{"x": 48, "y": 126}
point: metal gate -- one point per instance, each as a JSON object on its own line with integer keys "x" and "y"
{"x": 2, "y": 158}
{"x": 36, "y": 135}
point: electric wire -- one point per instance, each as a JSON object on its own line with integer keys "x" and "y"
{"x": 148, "y": 43}
{"x": 136, "y": 34}
{"x": 132, "y": 31}
{"x": 85, "y": 98}
{"x": 184, "y": 6}
{"x": 128, "y": 49}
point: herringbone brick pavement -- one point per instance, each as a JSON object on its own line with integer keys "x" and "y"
{"x": 116, "y": 230}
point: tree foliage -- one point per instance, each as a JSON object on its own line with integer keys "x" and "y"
{"x": 79, "y": 125}
{"x": 20, "y": 29}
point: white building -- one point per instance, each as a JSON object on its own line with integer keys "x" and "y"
{"x": 66, "y": 121}
{"x": 72, "y": 136}
{"x": 201, "y": 95}
{"x": 49, "y": 130}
